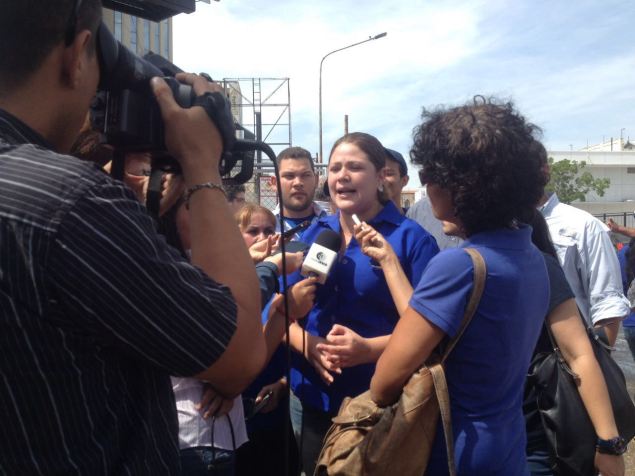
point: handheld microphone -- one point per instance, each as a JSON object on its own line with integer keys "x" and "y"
{"x": 321, "y": 256}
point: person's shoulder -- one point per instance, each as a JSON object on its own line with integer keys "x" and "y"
{"x": 419, "y": 207}
{"x": 412, "y": 230}
{"x": 451, "y": 260}
{"x": 576, "y": 220}
{"x": 51, "y": 161}
{"x": 552, "y": 264}
{"x": 49, "y": 183}
{"x": 577, "y": 216}
{"x": 324, "y": 222}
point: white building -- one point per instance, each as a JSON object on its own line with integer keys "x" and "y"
{"x": 613, "y": 159}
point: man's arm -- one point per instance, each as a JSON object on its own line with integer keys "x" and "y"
{"x": 217, "y": 246}
{"x": 608, "y": 305}
{"x": 611, "y": 328}
{"x": 622, "y": 230}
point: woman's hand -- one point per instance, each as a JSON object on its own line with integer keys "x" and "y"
{"x": 373, "y": 244}
{"x": 292, "y": 260}
{"x": 277, "y": 390}
{"x": 345, "y": 348}
{"x": 319, "y": 360}
{"x": 213, "y": 404}
{"x": 262, "y": 249}
{"x": 609, "y": 465}
{"x": 301, "y": 298}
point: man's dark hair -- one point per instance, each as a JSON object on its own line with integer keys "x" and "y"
{"x": 232, "y": 190}
{"x": 30, "y": 29}
{"x": 487, "y": 155}
{"x": 295, "y": 153}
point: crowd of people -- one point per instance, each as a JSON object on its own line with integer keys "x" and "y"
{"x": 140, "y": 346}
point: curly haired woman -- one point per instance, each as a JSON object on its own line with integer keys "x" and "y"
{"x": 483, "y": 169}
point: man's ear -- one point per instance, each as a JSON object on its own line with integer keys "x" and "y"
{"x": 381, "y": 174}
{"x": 404, "y": 180}
{"x": 75, "y": 56}
{"x": 273, "y": 182}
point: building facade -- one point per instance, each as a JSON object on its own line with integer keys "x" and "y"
{"x": 140, "y": 35}
{"x": 614, "y": 160}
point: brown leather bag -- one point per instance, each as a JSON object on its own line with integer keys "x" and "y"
{"x": 372, "y": 441}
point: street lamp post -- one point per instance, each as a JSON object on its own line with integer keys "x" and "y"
{"x": 370, "y": 38}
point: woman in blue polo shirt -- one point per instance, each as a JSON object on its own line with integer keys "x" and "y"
{"x": 484, "y": 174}
{"x": 354, "y": 314}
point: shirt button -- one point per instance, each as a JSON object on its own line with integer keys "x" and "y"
{"x": 344, "y": 260}
{"x": 336, "y": 288}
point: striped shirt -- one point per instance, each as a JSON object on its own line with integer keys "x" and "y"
{"x": 96, "y": 312}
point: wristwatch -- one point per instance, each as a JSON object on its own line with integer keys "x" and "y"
{"x": 614, "y": 446}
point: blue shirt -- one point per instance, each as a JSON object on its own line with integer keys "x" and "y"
{"x": 621, "y": 257}
{"x": 356, "y": 295}
{"x": 487, "y": 369}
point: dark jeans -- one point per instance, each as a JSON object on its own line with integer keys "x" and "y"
{"x": 264, "y": 454}
{"x": 310, "y": 427}
{"x": 539, "y": 459}
{"x": 207, "y": 461}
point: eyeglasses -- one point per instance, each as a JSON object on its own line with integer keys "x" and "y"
{"x": 71, "y": 25}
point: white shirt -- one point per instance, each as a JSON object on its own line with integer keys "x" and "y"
{"x": 194, "y": 430}
{"x": 318, "y": 211}
{"x": 588, "y": 259}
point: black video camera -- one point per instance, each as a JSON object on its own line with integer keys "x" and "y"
{"x": 127, "y": 115}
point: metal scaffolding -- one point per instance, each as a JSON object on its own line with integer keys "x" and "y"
{"x": 263, "y": 107}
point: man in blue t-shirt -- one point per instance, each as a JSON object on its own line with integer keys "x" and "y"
{"x": 298, "y": 182}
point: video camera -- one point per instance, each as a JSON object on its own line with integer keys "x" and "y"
{"x": 128, "y": 117}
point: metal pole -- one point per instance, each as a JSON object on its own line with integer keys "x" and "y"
{"x": 370, "y": 38}
{"x": 258, "y": 153}
{"x": 345, "y": 124}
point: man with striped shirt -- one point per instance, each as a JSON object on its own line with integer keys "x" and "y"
{"x": 96, "y": 311}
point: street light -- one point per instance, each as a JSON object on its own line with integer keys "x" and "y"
{"x": 370, "y": 38}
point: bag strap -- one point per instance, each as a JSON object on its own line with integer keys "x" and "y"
{"x": 438, "y": 374}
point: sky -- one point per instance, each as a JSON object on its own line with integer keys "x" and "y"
{"x": 568, "y": 65}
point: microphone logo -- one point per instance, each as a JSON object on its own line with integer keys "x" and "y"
{"x": 321, "y": 258}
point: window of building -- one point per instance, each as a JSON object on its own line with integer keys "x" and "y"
{"x": 118, "y": 26}
{"x": 157, "y": 39}
{"x": 146, "y": 36}
{"x": 165, "y": 39}
{"x": 133, "y": 34}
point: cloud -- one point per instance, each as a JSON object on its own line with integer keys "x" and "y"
{"x": 568, "y": 69}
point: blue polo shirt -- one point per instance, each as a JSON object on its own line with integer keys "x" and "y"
{"x": 486, "y": 371}
{"x": 356, "y": 295}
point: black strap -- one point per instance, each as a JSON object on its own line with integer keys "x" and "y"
{"x": 153, "y": 194}
{"x": 231, "y": 431}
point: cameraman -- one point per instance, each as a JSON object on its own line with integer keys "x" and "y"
{"x": 95, "y": 309}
